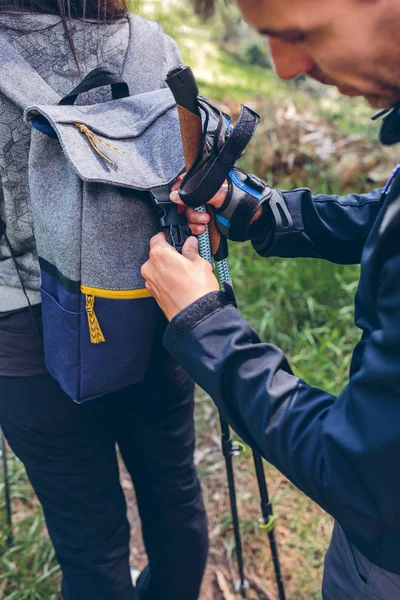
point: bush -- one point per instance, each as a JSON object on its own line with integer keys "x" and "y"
{"x": 255, "y": 52}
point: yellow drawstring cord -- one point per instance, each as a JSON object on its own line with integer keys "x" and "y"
{"x": 94, "y": 140}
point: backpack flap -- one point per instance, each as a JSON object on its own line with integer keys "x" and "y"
{"x": 126, "y": 142}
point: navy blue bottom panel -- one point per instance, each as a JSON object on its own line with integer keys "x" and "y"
{"x": 128, "y": 327}
{"x": 61, "y": 339}
{"x": 85, "y": 370}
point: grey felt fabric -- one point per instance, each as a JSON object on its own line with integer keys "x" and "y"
{"x": 88, "y": 229}
{"x": 145, "y": 128}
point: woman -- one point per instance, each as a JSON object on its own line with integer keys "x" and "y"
{"x": 69, "y": 450}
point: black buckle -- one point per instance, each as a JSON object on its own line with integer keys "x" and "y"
{"x": 257, "y": 184}
{"x": 174, "y": 225}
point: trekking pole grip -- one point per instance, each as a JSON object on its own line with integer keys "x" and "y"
{"x": 183, "y": 86}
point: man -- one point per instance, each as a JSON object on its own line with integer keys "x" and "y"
{"x": 343, "y": 452}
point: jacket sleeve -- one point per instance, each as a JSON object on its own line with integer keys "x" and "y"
{"x": 331, "y": 227}
{"x": 341, "y": 451}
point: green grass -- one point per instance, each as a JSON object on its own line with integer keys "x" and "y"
{"x": 305, "y": 306}
{"x": 28, "y": 567}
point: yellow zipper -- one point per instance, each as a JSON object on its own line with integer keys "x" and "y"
{"x": 95, "y": 332}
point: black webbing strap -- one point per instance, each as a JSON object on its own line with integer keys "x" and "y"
{"x": 243, "y": 215}
{"x": 98, "y": 78}
{"x": 220, "y": 167}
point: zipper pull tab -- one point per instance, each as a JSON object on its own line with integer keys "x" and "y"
{"x": 96, "y": 335}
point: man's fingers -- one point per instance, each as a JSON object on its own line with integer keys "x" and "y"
{"x": 190, "y": 249}
{"x": 177, "y": 183}
{"x": 159, "y": 240}
{"x": 197, "y": 229}
{"x": 195, "y": 217}
{"x": 149, "y": 287}
{"x": 145, "y": 271}
{"x": 220, "y": 196}
{"x": 174, "y": 197}
{"x": 217, "y": 201}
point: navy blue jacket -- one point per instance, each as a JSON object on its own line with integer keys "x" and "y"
{"x": 343, "y": 452}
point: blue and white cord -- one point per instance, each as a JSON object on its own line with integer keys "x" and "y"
{"x": 205, "y": 252}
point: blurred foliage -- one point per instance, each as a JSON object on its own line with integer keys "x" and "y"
{"x": 255, "y": 52}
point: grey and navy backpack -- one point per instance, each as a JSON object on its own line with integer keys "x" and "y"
{"x": 99, "y": 180}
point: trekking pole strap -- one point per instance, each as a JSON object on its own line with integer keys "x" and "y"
{"x": 221, "y": 165}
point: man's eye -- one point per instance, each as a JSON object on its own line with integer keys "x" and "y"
{"x": 299, "y": 38}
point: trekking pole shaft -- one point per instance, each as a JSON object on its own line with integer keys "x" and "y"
{"x": 227, "y": 452}
{"x": 267, "y": 513}
{"x": 183, "y": 86}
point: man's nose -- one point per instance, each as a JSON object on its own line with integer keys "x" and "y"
{"x": 289, "y": 60}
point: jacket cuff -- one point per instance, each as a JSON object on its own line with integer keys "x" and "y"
{"x": 195, "y": 313}
{"x": 287, "y": 228}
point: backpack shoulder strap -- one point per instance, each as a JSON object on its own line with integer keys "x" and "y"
{"x": 145, "y": 59}
{"x": 19, "y": 82}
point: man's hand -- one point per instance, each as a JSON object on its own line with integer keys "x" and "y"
{"x": 197, "y": 221}
{"x": 176, "y": 280}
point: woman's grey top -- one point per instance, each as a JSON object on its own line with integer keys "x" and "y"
{"x": 41, "y": 40}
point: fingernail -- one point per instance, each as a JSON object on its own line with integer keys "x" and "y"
{"x": 174, "y": 196}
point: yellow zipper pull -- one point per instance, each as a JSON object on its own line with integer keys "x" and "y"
{"x": 96, "y": 335}
{"x": 95, "y": 141}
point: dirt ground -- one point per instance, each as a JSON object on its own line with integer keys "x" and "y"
{"x": 302, "y": 529}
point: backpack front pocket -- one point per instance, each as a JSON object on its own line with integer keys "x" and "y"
{"x": 96, "y": 341}
{"x": 117, "y": 333}
{"x": 61, "y": 325}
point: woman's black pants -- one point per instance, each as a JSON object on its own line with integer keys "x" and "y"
{"x": 69, "y": 452}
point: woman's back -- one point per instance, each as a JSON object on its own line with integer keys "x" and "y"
{"x": 42, "y": 42}
{"x": 69, "y": 449}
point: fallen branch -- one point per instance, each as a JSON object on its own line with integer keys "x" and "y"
{"x": 223, "y": 586}
{"x": 257, "y": 585}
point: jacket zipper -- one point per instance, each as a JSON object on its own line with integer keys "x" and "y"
{"x": 95, "y": 332}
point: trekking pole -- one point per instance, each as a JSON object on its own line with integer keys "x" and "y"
{"x": 267, "y": 521}
{"x": 6, "y": 485}
{"x": 184, "y": 88}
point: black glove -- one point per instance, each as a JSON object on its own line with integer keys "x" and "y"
{"x": 246, "y": 194}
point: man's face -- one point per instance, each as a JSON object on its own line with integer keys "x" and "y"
{"x": 352, "y": 44}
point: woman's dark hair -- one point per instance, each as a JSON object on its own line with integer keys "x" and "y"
{"x": 101, "y": 10}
